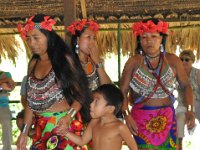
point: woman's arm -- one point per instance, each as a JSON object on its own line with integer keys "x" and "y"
{"x": 124, "y": 85}
{"x": 95, "y": 56}
{"x": 23, "y": 137}
{"x": 103, "y": 77}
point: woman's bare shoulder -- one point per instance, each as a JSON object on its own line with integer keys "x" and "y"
{"x": 133, "y": 61}
{"x": 172, "y": 59}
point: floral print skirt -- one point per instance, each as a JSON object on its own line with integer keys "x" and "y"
{"x": 45, "y": 137}
{"x": 156, "y": 127}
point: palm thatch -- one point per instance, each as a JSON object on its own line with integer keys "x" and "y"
{"x": 9, "y": 47}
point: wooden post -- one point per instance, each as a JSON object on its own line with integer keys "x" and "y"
{"x": 69, "y": 17}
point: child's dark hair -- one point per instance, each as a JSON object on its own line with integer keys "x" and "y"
{"x": 112, "y": 95}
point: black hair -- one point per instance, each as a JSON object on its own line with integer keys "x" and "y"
{"x": 74, "y": 38}
{"x": 68, "y": 70}
{"x": 112, "y": 95}
{"x": 164, "y": 36}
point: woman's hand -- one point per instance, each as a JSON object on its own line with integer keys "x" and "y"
{"x": 94, "y": 53}
{"x": 190, "y": 119}
{"x": 63, "y": 123}
{"x": 22, "y": 141}
{"x": 131, "y": 124}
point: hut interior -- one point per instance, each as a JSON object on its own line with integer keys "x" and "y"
{"x": 115, "y": 18}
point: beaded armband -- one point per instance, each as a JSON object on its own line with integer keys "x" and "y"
{"x": 24, "y": 128}
{"x": 189, "y": 108}
{"x": 125, "y": 113}
{"x": 72, "y": 112}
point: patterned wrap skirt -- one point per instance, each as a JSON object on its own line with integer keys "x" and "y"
{"x": 156, "y": 127}
{"x": 46, "y": 138}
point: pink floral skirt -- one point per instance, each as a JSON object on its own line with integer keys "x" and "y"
{"x": 156, "y": 126}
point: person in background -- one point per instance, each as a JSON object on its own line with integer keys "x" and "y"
{"x": 84, "y": 45}
{"x": 57, "y": 88}
{"x": 6, "y": 85}
{"x": 152, "y": 74}
{"x": 188, "y": 58}
{"x": 105, "y": 130}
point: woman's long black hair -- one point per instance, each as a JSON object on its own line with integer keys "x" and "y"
{"x": 164, "y": 37}
{"x": 74, "y": 39}
{"x": 68, "y": 70}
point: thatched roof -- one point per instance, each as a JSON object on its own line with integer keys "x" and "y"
{"x": 115, "y": 17}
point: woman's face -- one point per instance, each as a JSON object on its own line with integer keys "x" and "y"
{"x": 187, "y": 62}
{"x": 150, "y": 43}
{"x": 37, "y": 41}
{"x": 87, "y": 40}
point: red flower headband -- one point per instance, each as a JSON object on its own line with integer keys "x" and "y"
{"x": 140, "y": 27}
{"x": 30, "y": 25}
{"x": 79, "y": 25}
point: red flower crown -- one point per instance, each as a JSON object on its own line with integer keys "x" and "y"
{"x": 140, "y": 27}
{"x": 79, "y": 25}
{"x": 30, "y": 25}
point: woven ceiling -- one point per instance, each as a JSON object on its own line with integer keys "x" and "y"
{"x": 11, "y": 11}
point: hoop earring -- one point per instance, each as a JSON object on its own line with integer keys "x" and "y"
{"x": 77, "y": 49}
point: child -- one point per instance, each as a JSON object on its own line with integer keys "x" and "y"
{"x": 105, "y": 130}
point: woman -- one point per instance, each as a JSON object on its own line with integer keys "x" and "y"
{"x": 84, "y": 44}
{"x": 188, "y": 58}
{"x": 152, "y": 77}
{"x": 56, "y": 87}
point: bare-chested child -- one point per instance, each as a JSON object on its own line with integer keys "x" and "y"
{"x": 105, "y": 130}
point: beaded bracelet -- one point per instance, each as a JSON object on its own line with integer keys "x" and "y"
{"x": 99, "y": 65}
{"x": 24, "y": 128}
{"x": 189, "y": 108}
{"x": 126, "y": 112}
{"x": 72, "y": 112}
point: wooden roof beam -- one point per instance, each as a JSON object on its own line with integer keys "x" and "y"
{"x": 83, "y": 9}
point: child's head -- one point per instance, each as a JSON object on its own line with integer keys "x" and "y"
{"x": 106, "y": 97}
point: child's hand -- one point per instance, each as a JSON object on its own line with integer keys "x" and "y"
{"x": 62, "y": 132}
{"x": 63, "y": 124}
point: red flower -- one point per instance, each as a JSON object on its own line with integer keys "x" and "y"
{"x": 21, "y": 31}
{"x": 47, "y": 24}
{"x": 140, "y": 27}
{"x": 79, "y": 25}
{"x": 30, "y": 25}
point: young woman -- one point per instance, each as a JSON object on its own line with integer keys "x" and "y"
{"x": 152, "y": 75}
{"x": 84, "y": 45}
{"x": 56, "y": 86}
